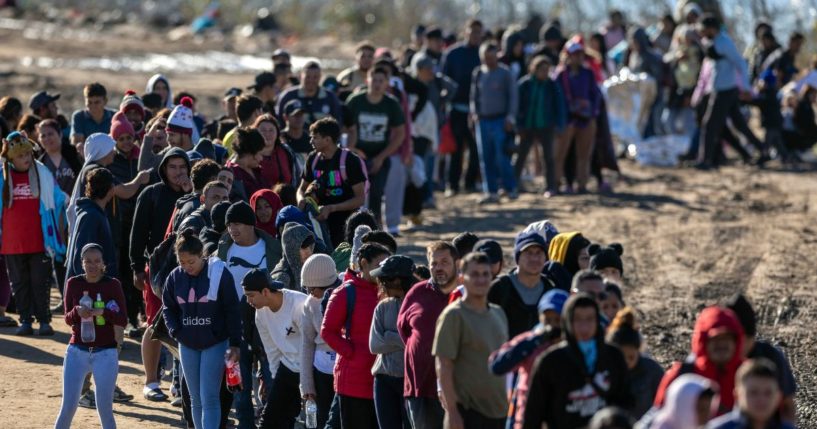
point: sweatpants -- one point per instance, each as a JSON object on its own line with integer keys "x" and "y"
{"x": 357, "y": 413}
{"x": 724, "y": 105}
{"x": 395, "y": 192}
{"x": 30, "y": 276}
{"x": 104, "y": 365}
{"x": 388, "y": 402}
{"x": 283, "y": 400}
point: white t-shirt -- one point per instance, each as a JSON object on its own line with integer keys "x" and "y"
{"x": 280, "y": 332}
{"x": 242, "y": 259}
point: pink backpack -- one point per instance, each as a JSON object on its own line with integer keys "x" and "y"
{"x": 344, "y": 154}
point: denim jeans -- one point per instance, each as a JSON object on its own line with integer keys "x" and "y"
{"x": 388, "y": 402}
{"x": 203, "y": 371}
{"x": 492, "y": 138}
{"x": 395, "y": 192}
{"x": 104, "y": 365}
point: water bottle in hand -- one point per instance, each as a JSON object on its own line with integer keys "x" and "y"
{"x": 87, "y": 330}
{"x": 311, "y": 409}
{"x": 99, "y": 305}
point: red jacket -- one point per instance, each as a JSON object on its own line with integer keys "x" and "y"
{"x": 711, "y": 321}
{"x": 353, "y": 367}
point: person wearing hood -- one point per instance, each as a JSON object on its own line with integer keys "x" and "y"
{"x": 513, "y": 52}
{"x": 214, "y": 192}
{"x": 100, "y": 152}
{"x": 180, "y": 131}
{"x": 551, "y": 43}
{"x": 717, "y": 352}
{"x": 204, "y": 172}
{"x": 607, "y": 261}
{"x": 688, "y": 405}
{"x": 299, "y": 244}
{"x": 581, "y": 375}
{"x": 519, "y": 354}
{"x": 266, "y": 204}
{"x": 154, "y": 209}
{"x": 571, "y": 250}
{"x": 133, "y": 108}
{"x": 211, "y": 235}
{"x": 92, "y": 224}
{"x": 159, "y": 84}
{"x": 32, "y": 225}
{"x": 518, "y": 293}
{"x": 348, "y": 335}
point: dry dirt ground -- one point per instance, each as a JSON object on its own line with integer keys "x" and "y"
{"x": 690, "y": 240}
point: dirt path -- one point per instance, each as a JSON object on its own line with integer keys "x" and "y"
{"x": 690, "y": 239}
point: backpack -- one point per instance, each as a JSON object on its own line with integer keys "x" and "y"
{"x": 344, "y": 155}
{"x": 350, "y": 305}
{"x": 161, "y": 262}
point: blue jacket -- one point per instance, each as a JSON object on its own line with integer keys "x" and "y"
{"x": 52, "y": 211}
{"x": 92, "y": 227}
{"x": 555, "y": 107}
{"x": 196, "y": 314}
{"x": 459, "y": 63}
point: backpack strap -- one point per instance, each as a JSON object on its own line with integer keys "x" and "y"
{"x": 315, "y": 164}
{"x": 344, "y": 153}
{"x": 350, "y": 307}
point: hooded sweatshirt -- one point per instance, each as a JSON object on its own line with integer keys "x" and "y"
{"x": 679, "y": 410}
{"x": 647, "y": 60}
{"x": 711, "y": 322}
{"x": 154, "y": 208}
{"x": 288, "y": 269}
{"x": 275, "y": 203}
{"x": 152, "y": 84}
{"x": 565, "y": 249}
{"x": 92, "y": 227}
{"x": 560, "y": 384}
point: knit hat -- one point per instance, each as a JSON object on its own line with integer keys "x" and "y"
{"x": 181, "y": 118}
{"x": 219, "y": 214}
{"x": 319, "y": 271}
{"x": 544, "y": 228}
{"x": 242, "y": 213}
{"x": 490, "y": 248}
{"x": 259, "y": 279}
{"x": 98, "y": 146}
{"x": 357, "y": 242}
{"x": 132, "y": 102}
{"x": 746, "y": 314}
{"x": 292, "y": 214}
{"x": 553, "y": 300}
{"x": 606, "y": 257}
{"x": 120, "y": 125}
{"x": 526, "y": 240}
{"x": 18, "y": 145}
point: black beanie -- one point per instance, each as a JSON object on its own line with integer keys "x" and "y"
{"x": 606, "y": 257}
{"x": 241, "y": 212}
{"x": 746, "y": 315}
{"x": 219, "y": 216}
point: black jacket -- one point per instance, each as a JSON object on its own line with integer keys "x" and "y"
{"x": 154, "y": 208}
{"x": 92, "y": 227}
{"x": 198, "y": 220}
{"x": 521, "y": 317}
{"x": 562, "y": 389}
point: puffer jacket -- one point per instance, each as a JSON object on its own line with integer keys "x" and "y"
{"x": 353, "y": 367}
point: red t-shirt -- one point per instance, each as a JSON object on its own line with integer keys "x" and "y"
{"x": 275, "y": 168}
{"x": 22, "y": 229}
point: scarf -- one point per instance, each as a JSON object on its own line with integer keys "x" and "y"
{"x": 275, "y": 203}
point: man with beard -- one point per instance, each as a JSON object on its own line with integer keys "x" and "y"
{"x": 416, "y": 325}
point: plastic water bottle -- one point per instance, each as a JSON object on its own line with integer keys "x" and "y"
{"x": 311, "y": 409}
{"x": 233, "y": 376}
{"x": 99, "y": 305}
{"x": 87, "y": 329}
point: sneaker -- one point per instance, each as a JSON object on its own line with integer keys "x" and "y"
{"x": 120, "y": 396}
{"x": 24, "y": 330}
{"x": 176, "y": 402}
{"x": 513, "y": 195}
{"x": 7, "y": 322}
{"x": 134, "y": 332}
{"x": 489, "y": 199}
{"x": 45, "y": 330}
{"x": 450, "y": 193}
{"x": 550, "y": 193}
{"x": 429, "y": 205}
{"x": 88, "y": 400}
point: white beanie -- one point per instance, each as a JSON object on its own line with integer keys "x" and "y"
{"x": 357, "y": 242}
{"x": 318, "y": 271}
{"x": 181, "y": 118}
{"x": 97, "y": 146}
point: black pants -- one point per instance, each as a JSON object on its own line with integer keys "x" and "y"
{"x": 389, "y": 404}
{"x": 472, "y": 419}
{"x": 30, "y": 277}
{"x": 133, "y": 296}
{"x": 465, "y": 140}
{"x": 324, "y": 394}
{"x": 724, "y": 105}
{"x": 283, "y": 400}
{"x": 60, "y": 271}
{"x": 377, "y": 185}
{"x": 357, "y": 413}
{"x": 529, "y": 137}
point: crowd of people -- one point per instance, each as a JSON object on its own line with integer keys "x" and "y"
{"x": 258, "y": 254}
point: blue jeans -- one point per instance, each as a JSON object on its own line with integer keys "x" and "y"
{"x": 203, "y": 371}
{"x": 104, "y": 365}
{"x": 389, "y": 403}
{"x": 492, "y": 138}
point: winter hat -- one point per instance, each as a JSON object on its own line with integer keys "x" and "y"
{"x": 490, "y": 248}
{"x": 242, "y": 213}
{"x": 553, "y": 300}
{"x": 18, "y": 145}
{"x": 291, "y": 214}
{"x": 525, "y": 240}
{"x": 181, "y": 118}
{"x": 544, "y": 228}
{"x": 132, "y": 102}
{"x": 98, "y": 146}
{"x": 120, "y": 125}
{"x": 357, "y": 242}
{"x": 219, "y": 215}
{"x": 606, "y": 257}
{"x": 746, "y": 314}
{"x": 319, "y": 271}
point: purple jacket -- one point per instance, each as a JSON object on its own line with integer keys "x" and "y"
{"x": 581, "y": 86}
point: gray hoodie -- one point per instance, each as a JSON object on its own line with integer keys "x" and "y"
{"x": 288, "y": 269}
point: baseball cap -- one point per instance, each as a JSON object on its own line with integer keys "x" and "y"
{"x": 280, "y": 53}
{"x": 293, "y": 107}
{"x": 263, "y": 79}
{"x": 40, "y": 99}
{"x": 258, "y": 279}
{"x": 553, "y": 300}
{"x": 490, "y": 248}
{"x": 394, "y": 266}
{"x": 232, "y": 92}
{"x": 434, "y": 33}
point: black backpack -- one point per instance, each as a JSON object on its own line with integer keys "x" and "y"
{"x": 161, "y": 262}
